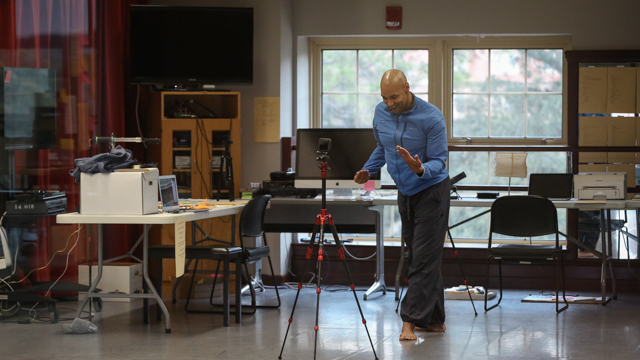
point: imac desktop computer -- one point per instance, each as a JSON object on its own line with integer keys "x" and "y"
{"x": 348, "y": 151}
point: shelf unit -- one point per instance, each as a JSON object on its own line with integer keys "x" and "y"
{"x": 597, "y": 157}
{"x": 193, "y": 127}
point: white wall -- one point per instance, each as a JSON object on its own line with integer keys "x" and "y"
{"x": 594, "y": 24}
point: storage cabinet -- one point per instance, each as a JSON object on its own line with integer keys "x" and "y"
{"x": 603, "y": 107}
{"x": 200, "y": 145}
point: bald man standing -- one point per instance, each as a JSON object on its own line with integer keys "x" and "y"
{"x": 412, "y": 141}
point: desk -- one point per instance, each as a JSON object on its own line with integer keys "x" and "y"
{"x": 605, "y": 214}
{"x": 299, "y": 215}
{"x": 146, "y": 220}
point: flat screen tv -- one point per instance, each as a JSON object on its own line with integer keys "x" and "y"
{"x": 185, "y": 45}
{"x": 28, "y": 108}
{"x": 349, "y": 151}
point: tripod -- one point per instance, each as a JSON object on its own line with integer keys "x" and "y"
{"x": 321, "y": 220}
{"x": 226, "y": 164}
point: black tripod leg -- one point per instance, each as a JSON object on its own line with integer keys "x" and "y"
{"x": 304, "y": 271}
{"x": 230, "y": 184}
{"x": 353, "y": 287}
{"x": 455, "y": 252}
{"x": 404, "y": 284}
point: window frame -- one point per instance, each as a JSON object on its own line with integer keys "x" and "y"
{"x": 502, "y": 42}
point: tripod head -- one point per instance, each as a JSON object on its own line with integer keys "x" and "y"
{"x": 226, "y": 140}
{"x": 324, "y": 145}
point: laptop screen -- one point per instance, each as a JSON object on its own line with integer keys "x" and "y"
{"x": 168, "y": 192}
{"x": 551, "y": 186}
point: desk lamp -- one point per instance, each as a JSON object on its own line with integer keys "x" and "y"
{"x": 511, "y": 165}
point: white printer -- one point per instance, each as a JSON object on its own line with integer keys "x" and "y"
{"x": 600, "y": 185}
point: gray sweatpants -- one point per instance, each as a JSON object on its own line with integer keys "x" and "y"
{"x": 425, "y": 218}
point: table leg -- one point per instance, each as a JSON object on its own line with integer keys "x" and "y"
{"x": 145, "y": 275}
{"x": 95, "y": 282}
{"x": 614, "y": 293}
{"x": 378, "y": 284}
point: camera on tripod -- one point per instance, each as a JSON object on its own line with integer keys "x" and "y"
{"x": 324, "y": 145}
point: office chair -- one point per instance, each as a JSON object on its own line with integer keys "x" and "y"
{"x": 252, "y": 225}
{"x": 525, "y": 216}
{"x": 223, "y": 254}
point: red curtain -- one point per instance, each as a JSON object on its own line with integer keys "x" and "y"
{"x": 83, "y": 40}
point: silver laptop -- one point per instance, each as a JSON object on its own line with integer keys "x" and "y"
{"x": 168, "y": 193}
{"x": 551, "y": 186}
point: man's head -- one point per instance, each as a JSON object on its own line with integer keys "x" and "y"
{"x": 394, "y": 90}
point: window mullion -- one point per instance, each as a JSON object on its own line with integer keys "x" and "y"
{"x": 357, "y": 88}
{"x": 489, "y": 94}
{"x": 526, "y": 78}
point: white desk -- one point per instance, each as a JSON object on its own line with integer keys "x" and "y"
{"x": 604, "y": 208}
{"x": 224, "y": 209}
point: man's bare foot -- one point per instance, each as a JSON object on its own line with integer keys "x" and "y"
{"x": 432, "y": 328}
{"x": 407, "y": 332}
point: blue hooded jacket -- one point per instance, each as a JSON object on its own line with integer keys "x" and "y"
{"x": 423, "y": 132}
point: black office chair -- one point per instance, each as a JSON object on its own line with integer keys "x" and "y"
{"x": 525, "y": 216}
{"x": 252, "y": 225}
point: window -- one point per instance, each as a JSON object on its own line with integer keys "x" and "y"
{"x": 507, "y": 93}
{"x": 351, "y": 82}
{"x": 478, "y": 166}
{"x": 501, "y": 91}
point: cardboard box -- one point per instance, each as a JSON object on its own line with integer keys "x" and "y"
{"x": 123, "y": 192}
{"x": 621, "y": 131}
{"x": 592, "y": 157}
{"x": 621, "y": 157}
{"x": 592, "y": 131}
{"x": 630, "y": 169}
{"x": 122, "y": 277}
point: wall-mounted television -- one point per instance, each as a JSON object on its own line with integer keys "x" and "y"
{"x": 28, "y": 108}
{"x": 187, "y": 45}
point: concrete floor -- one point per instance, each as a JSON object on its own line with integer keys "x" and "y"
{"x": 514, "y": 330}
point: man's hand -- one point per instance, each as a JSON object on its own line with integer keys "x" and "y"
{"x": 414, "y": 162}
{"x": 361, "y": 176}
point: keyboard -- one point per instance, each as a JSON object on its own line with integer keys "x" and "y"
{"x": 350, "y": 198}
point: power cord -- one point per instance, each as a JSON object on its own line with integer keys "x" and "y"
{"x": 66, "y": 266}
{"x": 52, "y": 257}
{"x": 137, "y": 117}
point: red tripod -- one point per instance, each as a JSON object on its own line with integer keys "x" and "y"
{"x": 321, "y": 220}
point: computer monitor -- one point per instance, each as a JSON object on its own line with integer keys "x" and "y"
{"x": 349, "y": 151}
{"x": 551, "y": 186}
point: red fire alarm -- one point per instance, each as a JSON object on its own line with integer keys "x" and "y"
{"x": 394, "y": 17}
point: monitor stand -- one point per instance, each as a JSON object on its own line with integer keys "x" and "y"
{"x": 342, "y": 192}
